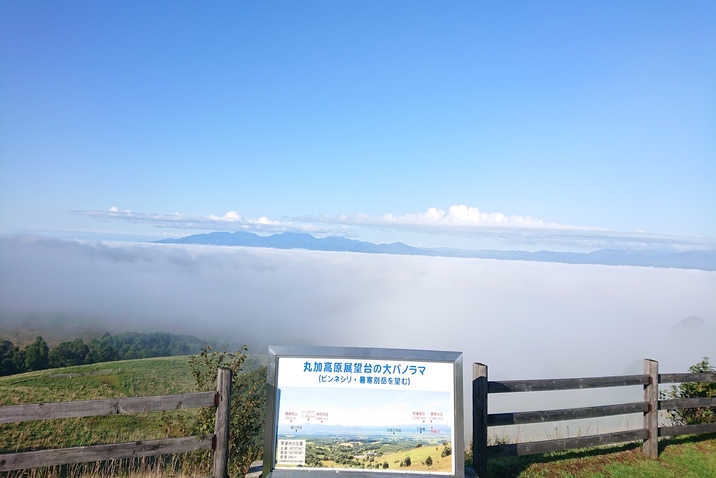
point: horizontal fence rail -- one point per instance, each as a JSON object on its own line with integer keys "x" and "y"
{"x": 687, "y": 429}
{"x": 521, "y": 418}
{"x": 218, "y": 441}
{"x": 545, "y": 385}
{"x": 687, "y": 377}
{"x": 84, "y": 454}
{"x": 679, "y": 403}
{"x": 564, "y": 444}
{"x": 649, "y": 408}
{"x": 112, "y": 406}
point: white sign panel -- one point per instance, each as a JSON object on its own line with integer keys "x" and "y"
{"x": 365, "y": 414}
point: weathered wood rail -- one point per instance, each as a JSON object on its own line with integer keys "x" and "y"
{"x": 649, "y": 407}
{"x": 218, "y": 441}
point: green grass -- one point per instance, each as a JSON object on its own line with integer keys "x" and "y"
{"x": 417, "y": 457}
{"x": 692, "y": 456}
{"x": 154, "y": 376}
{"x": 681, "y": 457}
{"x": 127, "y": 378}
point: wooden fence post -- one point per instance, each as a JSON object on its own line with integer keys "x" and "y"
{"x": 479, "y": 419}
{"x": 222, "y": 422}
{"x": 651, "y": 417}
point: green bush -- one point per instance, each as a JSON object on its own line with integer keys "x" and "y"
{"x": 248, "y": 409}
{"x": 692, "y": 416}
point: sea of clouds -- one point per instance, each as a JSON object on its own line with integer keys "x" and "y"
{"x": 522, "y": 319}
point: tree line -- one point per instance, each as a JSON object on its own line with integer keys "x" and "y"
{"x": 108, "y": 348}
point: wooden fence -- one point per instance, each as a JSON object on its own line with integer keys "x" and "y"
{"x": 649, "y": 407}
{"x": 218, "y": 441}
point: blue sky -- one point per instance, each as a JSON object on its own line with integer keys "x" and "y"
{"x": 518, "y": 125}
{"x": 558, "y": 125}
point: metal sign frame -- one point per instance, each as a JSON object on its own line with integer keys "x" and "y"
{"x": 415, "y": 374}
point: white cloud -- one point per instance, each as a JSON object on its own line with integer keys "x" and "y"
{"x": 114, "y": 209}
{"x": 459, "y": 220}
{"x": 231, "y": 221}
{"x": 523, "y": 319}
{"x": 460, "y": 215}
{"x": 456, "y": 216}
{"x": 233, "y": 216}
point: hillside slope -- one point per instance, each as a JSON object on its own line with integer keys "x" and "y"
{"x": 142, "y": 377}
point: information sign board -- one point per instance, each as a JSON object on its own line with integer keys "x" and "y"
{"x": 363, "y": 411}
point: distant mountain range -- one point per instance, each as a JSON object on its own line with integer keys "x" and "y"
{"x": 703, "y": 260}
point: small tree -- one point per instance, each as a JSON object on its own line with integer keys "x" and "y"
{"x": 406, "y": 461}
{"x": 18, "y": 360}
{"x": 67, "y": 354}
{"x": 7, "y": 351}
{"x": 692, "y": 416}
{"x": 102, "y": 349}
{"x": 429, "y": 461}
{"x": 36, "y": 355}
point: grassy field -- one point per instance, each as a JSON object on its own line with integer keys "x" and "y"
{"x": 163, "y": 375}
{"x": 417, "y": 458}
{"x": 680, "y": 457}
{"x": 155, "y": 376}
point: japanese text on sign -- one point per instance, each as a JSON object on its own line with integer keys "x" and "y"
{"x": 291, "y": 452}
{"x": 351, "y": 373}
{"x": 363, "y": 368}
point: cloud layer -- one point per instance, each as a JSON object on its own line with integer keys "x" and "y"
{"x": 458, "y": 220}
{"x": 523, "y": 319}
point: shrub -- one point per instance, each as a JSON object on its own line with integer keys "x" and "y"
{"x": 692, "y": 416}
{"x": 248, "y": 406}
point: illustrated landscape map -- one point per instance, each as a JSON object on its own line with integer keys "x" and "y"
{"x": 387, "y": 415}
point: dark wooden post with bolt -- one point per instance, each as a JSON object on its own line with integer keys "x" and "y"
{"x": 651, "y": 417}
{"x": 221, "y": 424}
{"x": 479, "y": 419}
